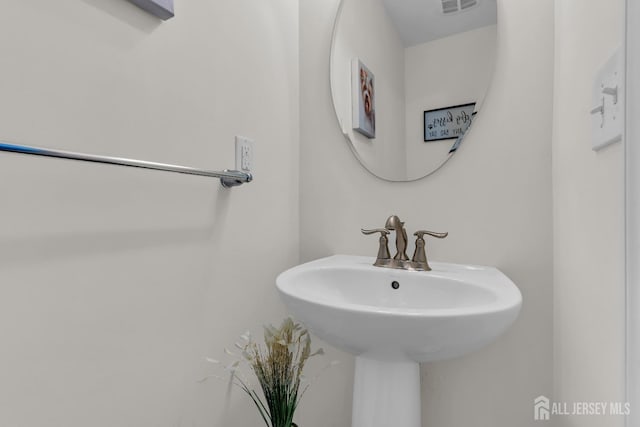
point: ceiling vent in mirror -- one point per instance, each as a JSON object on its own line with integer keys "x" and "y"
{"x": 453, "y": 6}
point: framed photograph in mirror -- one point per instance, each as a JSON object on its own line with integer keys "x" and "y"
{"x": 363, "y": 99}
{"x": 163, "y": 9}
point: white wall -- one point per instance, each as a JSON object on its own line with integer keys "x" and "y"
{"x": 367, "y": 33}
{"x": 116, "y": 282}
{"x": 494, "y": 198}
{"x": 449, "y": 71}
{"x": 588, "y": 217}
{"x": 632, "y": 184}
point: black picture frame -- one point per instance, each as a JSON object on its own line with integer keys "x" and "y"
{"x": 436, "y": 124}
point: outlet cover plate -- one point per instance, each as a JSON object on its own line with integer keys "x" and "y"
{"x": 245, "y": 154}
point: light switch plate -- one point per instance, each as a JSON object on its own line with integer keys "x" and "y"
{"x": 607, "y": 114}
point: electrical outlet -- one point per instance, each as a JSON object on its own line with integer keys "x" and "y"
{"x": 244, "y": 154}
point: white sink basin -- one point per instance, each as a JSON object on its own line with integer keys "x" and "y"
{"x": 447, "y": 312}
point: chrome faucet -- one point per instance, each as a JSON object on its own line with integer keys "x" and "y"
{"x": 401, "y": 260}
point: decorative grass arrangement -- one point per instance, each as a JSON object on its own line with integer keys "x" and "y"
{"x": 278, "y": 366}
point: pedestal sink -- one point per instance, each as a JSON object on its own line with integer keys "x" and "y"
{"x": 392, "y": 320}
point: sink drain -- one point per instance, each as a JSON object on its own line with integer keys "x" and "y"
{"x": 395, "y": 285}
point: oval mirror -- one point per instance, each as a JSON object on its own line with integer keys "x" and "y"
{"x": 407, "y": 78}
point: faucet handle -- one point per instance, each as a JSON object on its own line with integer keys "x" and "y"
{"x": 383, "y": 231}
{"x": 421, "y": 234}
{"x": 383, "y": 249}
{"x": 420, "y": 255}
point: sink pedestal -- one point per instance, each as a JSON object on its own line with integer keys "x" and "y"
{"x": 386, "y": 393}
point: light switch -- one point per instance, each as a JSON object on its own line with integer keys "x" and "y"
{"x": 607, "y": 112}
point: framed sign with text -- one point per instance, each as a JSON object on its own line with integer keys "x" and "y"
{"x": 447, "y": 123}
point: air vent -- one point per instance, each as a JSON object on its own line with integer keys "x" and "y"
{"x": 466, "y": 4}
{"x": 453, "y": 6}
{"x": 449, "y": 6}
